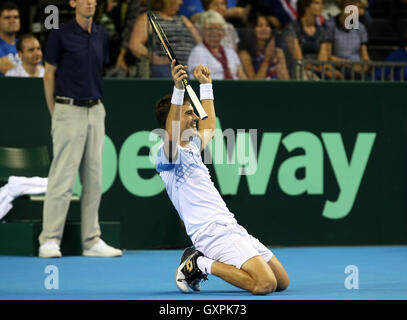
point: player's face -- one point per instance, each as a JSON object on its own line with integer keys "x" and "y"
{"x": 188, "y": 118}
{"x": 213, "y": 34}
{"x": 85, "y": 8}
{"x": 10, "y": 21}
{"x": 263, "y": 29}
{"x": 31, "y": 53}
{"x": 219, "y": 6}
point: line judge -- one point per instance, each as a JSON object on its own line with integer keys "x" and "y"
{"x": 73, "y": 79}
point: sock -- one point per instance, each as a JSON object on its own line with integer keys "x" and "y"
{"x": 205, "y": 264}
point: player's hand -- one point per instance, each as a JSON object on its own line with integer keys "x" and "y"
{"x": 202, "y": 74}
{"x": 178, "y": 73}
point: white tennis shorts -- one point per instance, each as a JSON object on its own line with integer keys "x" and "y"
{"x": 230, "y": 244}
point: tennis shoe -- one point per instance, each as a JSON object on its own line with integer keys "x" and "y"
{"x": 188, "y": 275}
{"x": 101, "y": 249}
{"x": 50, "y": 249}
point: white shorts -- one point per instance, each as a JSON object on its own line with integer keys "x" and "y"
{"x": 230, "y": 244}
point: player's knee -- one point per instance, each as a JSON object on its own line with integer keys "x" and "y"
{"x": 283, "y": 284}
{"x": 265, "y": 286}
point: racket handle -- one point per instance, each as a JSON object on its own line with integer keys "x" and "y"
{"x": 197, "y": 104}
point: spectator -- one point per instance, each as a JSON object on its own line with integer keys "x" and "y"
{"x": 399, "y": 55}
{"x": 346, "y": 44}
{"x": 180, "y": 32}
{"x": 109, "y": 14}
{"x": 260, "y": 57}
{"x": 224, "y": 63}
{"x": 193, "y": 8}
{"x": 231, "y": 38}
{"x": 129, "y": 11}
{"x": 9, "y": 27}
{"x": 279, "y": 12}
{"x": 304, "y": 39}
{"x": 29, "y": 50}
{"x": 305, "y": 36}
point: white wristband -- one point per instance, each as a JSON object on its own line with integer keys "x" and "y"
{"x": 206, "y": 92}
{"x": 177, "y": 97}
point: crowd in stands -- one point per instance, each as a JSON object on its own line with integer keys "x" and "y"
{"x": 237, "y": 39}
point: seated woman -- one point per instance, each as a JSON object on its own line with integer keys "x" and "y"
{"x": 181, "y": 34}
{"x": 260, "y": 57}
{"x": 231, "y": 38}
{"x": 344, "y": 43}
{"x": 305, "y": 38}
{"x": 224, "y": 63}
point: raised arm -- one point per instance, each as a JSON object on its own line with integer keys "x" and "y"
{"x": 172, "y": 124}
{"x": 206, "y": 128}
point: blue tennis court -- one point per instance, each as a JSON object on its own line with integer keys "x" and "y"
{"x": 315, "y": 273}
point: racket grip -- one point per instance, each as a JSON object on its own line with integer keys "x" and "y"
{"x": 197, "y": 104}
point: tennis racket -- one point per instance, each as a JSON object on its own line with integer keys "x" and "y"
{"x": 171, "y": 55}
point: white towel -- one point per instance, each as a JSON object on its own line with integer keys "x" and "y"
{"x": 18, "y": 186}
{"x": 5, "y": 201}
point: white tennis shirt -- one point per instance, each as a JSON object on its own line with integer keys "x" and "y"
{"x": 19, "y": 71}
{"x": 191, "y": 190}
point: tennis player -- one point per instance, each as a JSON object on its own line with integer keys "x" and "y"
{"x": 221, "y": 246}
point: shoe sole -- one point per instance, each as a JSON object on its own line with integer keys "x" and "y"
{"x": 182, "y": 284}
{"x": 88, "y": 254}
{"x": 41, "y": 255}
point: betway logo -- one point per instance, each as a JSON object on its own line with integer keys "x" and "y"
{"x": 348, "y": 173}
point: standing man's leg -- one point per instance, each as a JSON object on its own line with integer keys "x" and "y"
{"x": 91, "y": 179}
{"x": 68, "y": 137}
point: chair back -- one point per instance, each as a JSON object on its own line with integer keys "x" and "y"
{"x": 24, "y": 162}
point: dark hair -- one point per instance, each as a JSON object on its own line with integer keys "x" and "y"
{"x": 345, "y": 3}
{"x": 157, "y": 5}
{"x": 207, "y": 3}
{"x": 249, "y": 40}
{"x": 21, "y": 39}
{"x": 7, "y": 6}
{"x": 302, "y": 5}
{"x": 162, "y": 108}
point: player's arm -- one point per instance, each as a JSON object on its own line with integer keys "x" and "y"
{"x": 172, "y": 124}
{"x": 49, "y": 86}
{"x": 206, "y": 127}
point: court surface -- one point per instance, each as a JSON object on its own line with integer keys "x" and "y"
{"x": 315, "y": 273}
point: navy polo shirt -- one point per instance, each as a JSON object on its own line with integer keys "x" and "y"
{"x": 79, "y": 57}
